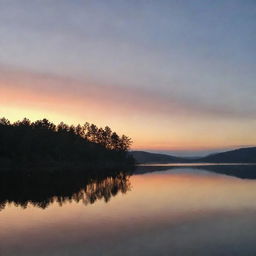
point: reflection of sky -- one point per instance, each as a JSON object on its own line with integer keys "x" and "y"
{"x": 206, "y": 210}
{"x": 184, "y": 64}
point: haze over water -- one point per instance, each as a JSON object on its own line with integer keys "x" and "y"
{"x": 182, "y": 211}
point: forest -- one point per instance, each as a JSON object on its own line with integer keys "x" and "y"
{"x": 43, "y": 145}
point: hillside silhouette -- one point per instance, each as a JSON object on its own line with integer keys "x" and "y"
{"x": 242, "y": 155}
{"x": 146, "y": 157}
{"x": 44, "y": 145}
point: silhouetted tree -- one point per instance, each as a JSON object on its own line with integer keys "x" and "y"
{"x": 44, "y": 124}
{"x": 42, "y": 142}
{"x": 4, "y": 121}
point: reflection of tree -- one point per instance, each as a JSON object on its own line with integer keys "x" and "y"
{"x": 106, "y": 188}
{"x": 43, "y": 189}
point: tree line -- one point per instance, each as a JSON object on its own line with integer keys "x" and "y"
{"x": 43, "y": 141}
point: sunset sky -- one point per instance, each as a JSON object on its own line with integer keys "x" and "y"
{"x": 175, "y": 76}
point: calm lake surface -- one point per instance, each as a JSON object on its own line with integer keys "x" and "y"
{"x": 174, "y": 211}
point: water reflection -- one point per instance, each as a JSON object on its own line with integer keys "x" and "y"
{"x": 42, "y": 189}
{"x": 181, "y": 212}
{"x": 241, "y": 171}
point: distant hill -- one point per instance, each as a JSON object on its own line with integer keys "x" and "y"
{"x": 242, "y": 155}
{"x": 143, "y": 157}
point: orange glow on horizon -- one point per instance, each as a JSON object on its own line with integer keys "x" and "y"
{"x": 148, "y": 130}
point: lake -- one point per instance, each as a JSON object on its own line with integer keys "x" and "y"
{"x": 160, "y": 210}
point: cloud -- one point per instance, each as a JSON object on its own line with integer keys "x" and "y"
{"x": 45, "y": 89}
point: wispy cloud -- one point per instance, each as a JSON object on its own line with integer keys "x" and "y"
{"x": 41, "y": 86}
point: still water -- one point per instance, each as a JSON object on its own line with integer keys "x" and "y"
{"x": 175, "y": 211}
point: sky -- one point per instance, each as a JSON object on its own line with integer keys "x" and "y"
{"x": 175, "y": 76}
